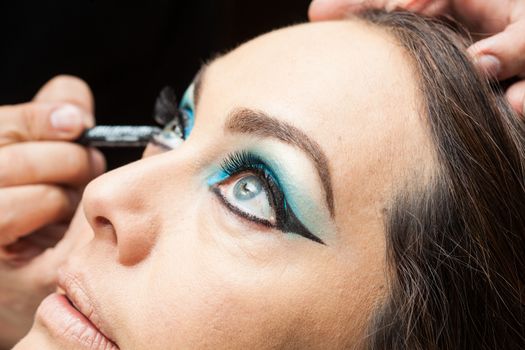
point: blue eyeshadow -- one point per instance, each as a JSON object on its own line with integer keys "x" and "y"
{"x": 246, "y": 160}
{"x": 187, "y": 105}
{"x": 217, "y": 177}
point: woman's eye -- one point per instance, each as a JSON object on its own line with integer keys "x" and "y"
{"x": 249, "y": 189}
{"x": 246, "y": 194}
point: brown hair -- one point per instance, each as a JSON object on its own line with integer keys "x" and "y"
{"x": 456, "y": 245}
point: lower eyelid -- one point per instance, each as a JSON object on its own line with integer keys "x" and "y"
{"x": 302, "y": 231}
{"x": 215, "y": 190}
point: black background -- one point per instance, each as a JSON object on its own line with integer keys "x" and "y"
{"x": 125, "y": 51}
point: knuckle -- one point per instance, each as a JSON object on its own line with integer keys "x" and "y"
{"x": 12, "y": 123}
{"x": 10, "y": 134}
{"x": 28, "y": 121}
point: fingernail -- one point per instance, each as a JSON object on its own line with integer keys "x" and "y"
{"x": 489, "y": 64}
{"x": 67, "y": 118}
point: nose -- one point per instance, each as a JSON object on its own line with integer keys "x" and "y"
{"x": 123, "y": 206}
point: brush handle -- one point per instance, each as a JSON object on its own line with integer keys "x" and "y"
{"x": 118, "y": 136}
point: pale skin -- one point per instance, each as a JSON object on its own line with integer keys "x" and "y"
{"x": 53, "y": 186}
{"x": 171, "y": 267}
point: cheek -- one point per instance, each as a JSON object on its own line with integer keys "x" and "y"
{"x": 212, "y": 280}
{"x": 206, "y": 288}
{"x": 202, "y": 297}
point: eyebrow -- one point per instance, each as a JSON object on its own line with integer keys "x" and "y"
{"x": 258, "y": 123}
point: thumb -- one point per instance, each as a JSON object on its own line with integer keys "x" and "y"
{"x": 69, "y": 89}
{"x": 41, "y": 121}
{"x": 61, "y": 110}
{"x": 502, "y": 55}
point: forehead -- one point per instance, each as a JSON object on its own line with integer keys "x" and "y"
{"x": 335, "y": 71}
{"x": 348, "y": 85}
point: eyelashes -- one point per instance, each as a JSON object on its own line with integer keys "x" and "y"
{"x": 240, "y": 161}
{"x": 246, "y": 185}
{"x": 166, "y": 106}
{"x": 245, "y": 162}
{"x": 177, "y": 120}
{"x": 240, "y": 166}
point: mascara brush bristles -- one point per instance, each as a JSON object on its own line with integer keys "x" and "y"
{"x": 166, "y": 108}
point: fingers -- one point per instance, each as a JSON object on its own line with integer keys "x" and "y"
{"x": 28, "y": 247}
{"x": 61, "y": 110}
{"x": 424, "y": 7}
{"x": 502, "y": 55}
{"x": 69, "y": 89}
{"x": 33, "y": 122}
{"x": 516, "y": 97}
{"x": 27, "y": 208}
{"x": 321, "y": 10}
{"x": 49, "y": 162}
{"x": 334, "y": 9}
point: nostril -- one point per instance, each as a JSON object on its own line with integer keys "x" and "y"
{"x": 104, "y": 227}
{"x": 102, "y": 221}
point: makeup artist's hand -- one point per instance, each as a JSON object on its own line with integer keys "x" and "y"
{"x": 500, "y": 52}
{"x": 41, "y": 180}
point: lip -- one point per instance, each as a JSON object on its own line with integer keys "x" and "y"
{"x": 71, "y": 318}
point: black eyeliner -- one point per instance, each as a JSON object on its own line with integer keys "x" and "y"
{"x": 285, "y": 220}
{"x": 241, "y": 213}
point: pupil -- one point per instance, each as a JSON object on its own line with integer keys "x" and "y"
{"x": 247, "y": 188}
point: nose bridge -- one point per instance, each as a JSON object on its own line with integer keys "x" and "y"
{"x": 120, "y": 205}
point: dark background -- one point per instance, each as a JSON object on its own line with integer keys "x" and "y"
{"x": 125, "y": 51}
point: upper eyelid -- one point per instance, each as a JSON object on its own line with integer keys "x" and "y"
{"x": 257, "y": 123}
{"x": 236, "y": 169}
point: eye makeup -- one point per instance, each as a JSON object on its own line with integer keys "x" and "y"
{"x": 254, "y": 167}
{"x": 178, "y": 120}
{"x": 187, "y": 110}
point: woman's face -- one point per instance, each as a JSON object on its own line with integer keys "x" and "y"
{"x": 265, "y": 228}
